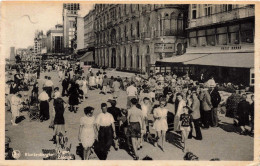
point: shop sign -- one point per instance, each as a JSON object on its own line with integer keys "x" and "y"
{"x": 164, "y": 47}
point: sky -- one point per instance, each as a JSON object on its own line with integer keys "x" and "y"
{"x": 18, "y": 30}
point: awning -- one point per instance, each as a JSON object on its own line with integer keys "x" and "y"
{"x": 87, "y": 57}
{"x": 240, "y": 60}
{"x": 179, "y": 59}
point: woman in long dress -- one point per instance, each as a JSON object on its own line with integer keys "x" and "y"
{"x": 92, "y": 81}
{"x": 84, "y": 87}
{"x": 181, "y": 104}
{"x": 87, "y": 131}
{"x": 160, "y": 124}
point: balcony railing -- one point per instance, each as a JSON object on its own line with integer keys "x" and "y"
{"x": 234, "y": 14}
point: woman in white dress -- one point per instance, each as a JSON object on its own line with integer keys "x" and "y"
{"x": 84, "y": 87}
{"x": 97, "y": 80}
{"x": 92, "y": 81}
{"x": 160, "y": 124}
{"x": 87, "y": 133}
{"x": 179, "y": 111}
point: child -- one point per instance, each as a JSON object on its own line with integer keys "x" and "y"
{"x": 185, "y": 125}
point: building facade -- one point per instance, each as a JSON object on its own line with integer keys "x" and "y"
{"x": 79, "y": 36}
{"x": 220, "y": 44}
{"x": 227, "y": 31}
{"x": 70, "y": 14}
{"x": 89, "y": 35}
{"x": 40, "y": 42}
{"x": 55, "y": 39}
{"x": 131, "y": 37}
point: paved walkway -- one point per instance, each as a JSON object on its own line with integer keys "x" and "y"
{"x": 222, "y": 142}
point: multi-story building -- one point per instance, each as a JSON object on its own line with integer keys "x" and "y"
{"x": 220, "y": 43}
{"x": 55, "y": 39}
{"x": 39, "y": 42}
{"x": 89, "y": 35}
{"x": 70, "y": 14}
{"x": 12, "y": 53}
{"x": 79, "y": 35}
{"x": 133, "y": 36}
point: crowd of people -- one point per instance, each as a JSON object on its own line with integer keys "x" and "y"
{"x": 160, "y": 102}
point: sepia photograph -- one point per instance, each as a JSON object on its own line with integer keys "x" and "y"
{"x": 121, "y": 81}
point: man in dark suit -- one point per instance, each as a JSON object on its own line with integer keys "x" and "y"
{"x": 65, "y": 85}
{"x": 215, "y": 100}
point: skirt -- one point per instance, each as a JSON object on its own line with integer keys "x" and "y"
{"x": 87, "y": 137}
{"x": 134, "y": 130}
{"x": 160, "y": 125}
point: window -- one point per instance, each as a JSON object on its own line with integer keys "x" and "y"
{"x": 247, "y": 32}
{"x": 222, "y": 36}
{"x": 202, "y": 38}
{"x": 211, "y": 37}
{"x": 193, "y": 11}
{"x": 207, "y": 9}
{"x": 193, "y": 39}
{"x": 252, "y": 78}
{"x": 233, "y": 34}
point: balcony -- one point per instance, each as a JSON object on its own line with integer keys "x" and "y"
{"x": 234, "y": 14}
{"x": 146, "y": 35}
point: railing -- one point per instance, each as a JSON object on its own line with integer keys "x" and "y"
{"x": 238, "y": 13}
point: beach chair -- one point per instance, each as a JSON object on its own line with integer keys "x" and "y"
{"x": 34, "y": 112}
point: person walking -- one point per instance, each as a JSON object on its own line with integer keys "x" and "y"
{"x": 215, "y": 100}
{"x": 84, "y": 87}
{"x": 106, "y": 131}
{"x": 136, "y": 126}
{"x": 181, "y": 104}
{"x": 185, "y": 124}
{"x": 74, "y": 97}
{"x": 65, "y": 85}
{"x": 116, "y": 88}
{"x": 243, "y": 109}
{"x": 49, "y": 86}
{"x": 131, "y": 92}
{"x": 59, "y": 122}
{"x": 206, "y": 107}
{"x": 160, "y": 124}
{"x": 16, "y": 103}
{"x": 195, "y": 108}
{"x": 87, "y": 131}
{"x": 44, "y": 105}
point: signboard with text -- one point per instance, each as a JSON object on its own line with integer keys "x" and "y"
{"x": 164, "y": 47}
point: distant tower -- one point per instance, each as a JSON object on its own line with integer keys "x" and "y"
{"x": 12, "y": 53}
{"x": 70, "y": 13}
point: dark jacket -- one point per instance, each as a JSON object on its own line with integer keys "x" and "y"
{"x": 215, "y": 98}
{"x": 243, "y": 109}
